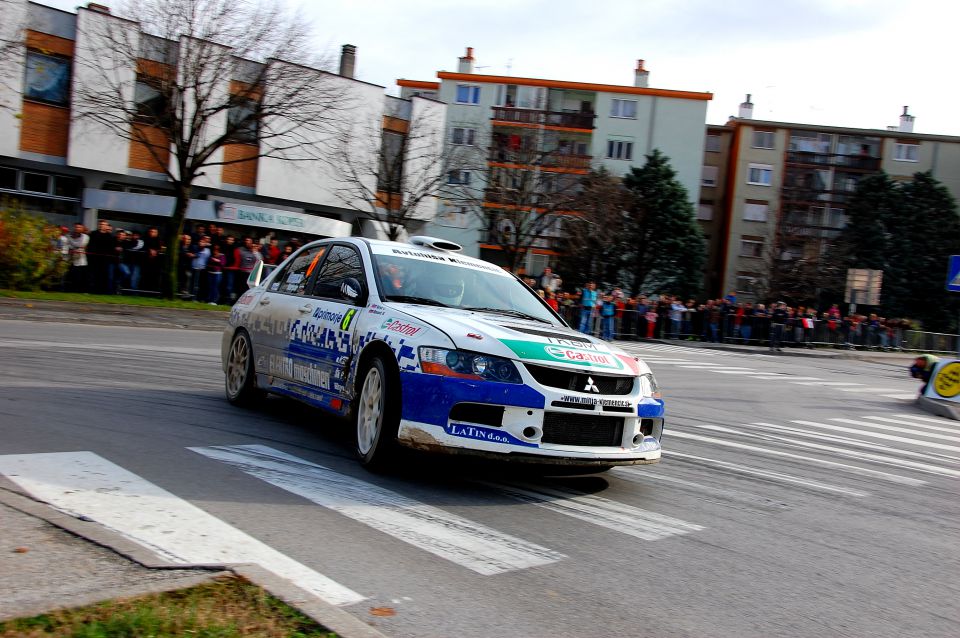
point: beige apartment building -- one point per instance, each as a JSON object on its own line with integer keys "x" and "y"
{"x": 777, "y": 191}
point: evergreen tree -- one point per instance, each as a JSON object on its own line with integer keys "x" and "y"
{"x": 923, "y": 235}
{"x": 662, "y": 248}
{"x": 908, "y": 230}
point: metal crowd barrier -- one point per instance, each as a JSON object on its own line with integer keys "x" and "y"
{"x": 824, "y": 333}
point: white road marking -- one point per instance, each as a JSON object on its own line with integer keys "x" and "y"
{"x": 104, "y": 347}
{"x": 895, "y": 478}
{"x": 904, "y": 430}
{"x": 829, "y": 383}
{"x": 620, "y": 517}
{"x": 451, "y": 537}
{"x": 903, "y": 397}
{"x": 880, "y": 435}
{"x": 929, "y": 419}
{"x": 915, "y": 425}
{"x": 868, "y": 389}
{"x": 836, "y": 438}
{"x": 752, "y": 372}
{"x": 777, "y": 476}
{"x": 85, "y": 484}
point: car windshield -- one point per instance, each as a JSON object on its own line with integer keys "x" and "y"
{"x": 441, "y": 283}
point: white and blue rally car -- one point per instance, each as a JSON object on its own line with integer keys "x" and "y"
{"x": 433, "y": 350}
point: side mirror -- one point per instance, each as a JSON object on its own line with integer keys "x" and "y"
{"x": 352, "y": 290}
{"x": 260, "y": 272}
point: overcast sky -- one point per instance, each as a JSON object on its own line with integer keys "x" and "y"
{"x": 840, "y": 62}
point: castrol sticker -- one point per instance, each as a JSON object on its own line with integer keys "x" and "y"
{"x": 585, "y": 357}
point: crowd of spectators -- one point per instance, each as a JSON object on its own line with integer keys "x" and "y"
{"x": 213, "y": 265}
{"x": 613, "y": 314}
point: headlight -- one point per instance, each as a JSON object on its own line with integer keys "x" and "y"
{"x": 649, "y": 387}
{"x": 468, "y": 365}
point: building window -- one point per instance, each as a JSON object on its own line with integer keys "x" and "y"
{"x": 705, "y": 212}
{"x": 751, "y": 247}
{"x": 755, "y": 211}
{"x": 8, "y": 178}
{"x": 464, "y": 136}
{"x": 242, "y": 121}
{"x": 763, "y": 139}
{"x": 152, "y": 103}
{"x": 623, "y": 108}
{"x": 47, "y": 78}
{"x": 36, "y": 183}
{"x": 390, "y": 178}
{"x": 713, "y": 144}
{"x": 618, "y": 149}
{"x": 709, "y": 176}
{"x": 747, "y": 283}
{"x": 458, "y": 177}
{"x": 760, "y": 174}
{"x": 468, "y": 94}
{"x": 906, "y": 152}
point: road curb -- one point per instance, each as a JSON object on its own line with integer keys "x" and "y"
{"x": 333, "y": 618}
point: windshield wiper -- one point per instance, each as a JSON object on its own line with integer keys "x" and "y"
{"x": 426, "y": 301}
{"x": 511, "y": 313}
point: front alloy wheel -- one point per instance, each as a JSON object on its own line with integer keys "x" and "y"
{"x": 376, "y": 417}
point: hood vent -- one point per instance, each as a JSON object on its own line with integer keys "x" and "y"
{"x": 544, "y": 333}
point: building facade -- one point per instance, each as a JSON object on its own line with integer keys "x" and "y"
{"x": 548, "y": 133}
{"x": 787, "y": 185}
{"x": 73, "y": 169}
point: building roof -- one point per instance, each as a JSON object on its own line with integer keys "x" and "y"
{"x": 576, "y": 86}
{"x": 826, "y": 128}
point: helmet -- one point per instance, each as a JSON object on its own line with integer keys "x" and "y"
{"x": 448, "y": 287}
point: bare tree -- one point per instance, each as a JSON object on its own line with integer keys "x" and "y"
{"x": 188, "y": 78}
{"x": 531, "y": 185}
{"x": 12, "y": 47}
{"x": 397, "y": 173}
{"x": 592, "y": 237}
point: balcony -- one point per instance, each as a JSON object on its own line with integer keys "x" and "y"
{"x": 513, "y": 115}
{"x": 854, "y": 162}
{"x": 546, "y": 161}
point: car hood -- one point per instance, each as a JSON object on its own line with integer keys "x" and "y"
{"x": 529, "y": 341}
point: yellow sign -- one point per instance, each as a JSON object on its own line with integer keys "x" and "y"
{"x": 947, "y": 381}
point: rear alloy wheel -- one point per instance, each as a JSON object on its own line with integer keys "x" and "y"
{"x": 377, "y": 417}
{"x": 241, "y": 381}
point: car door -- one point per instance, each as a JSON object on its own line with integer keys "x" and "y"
{"x": 336, "y": 315}
{"x": 284, "y": 333}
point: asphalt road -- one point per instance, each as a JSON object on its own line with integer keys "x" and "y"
{"x": 796, "y": 497}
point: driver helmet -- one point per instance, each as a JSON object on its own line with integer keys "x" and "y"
{"x": 448, "y": 287}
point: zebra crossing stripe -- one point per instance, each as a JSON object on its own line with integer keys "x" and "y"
{"x": 836, "y": 438}
{"x": 928, "y": 419}
{"x": 619, "y": 517}
{"x": 880, "y": 435}
{"x": 448, "y": 536}
{"x": 777, "y": 476}
{"x": 84, "y": 484}
{"x": 854, "y": 469}
{"x": 905, "y": 430}
{"x": 912, "y": 421}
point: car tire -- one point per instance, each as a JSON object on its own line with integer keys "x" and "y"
{"x": 241, "y": 378}
{"x": 377, "y": 417}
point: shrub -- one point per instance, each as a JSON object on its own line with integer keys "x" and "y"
{"x": 29, "y": 258}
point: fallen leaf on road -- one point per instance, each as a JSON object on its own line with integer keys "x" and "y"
{"x": 383, "y": 611}
{"x": 22, "y": 550}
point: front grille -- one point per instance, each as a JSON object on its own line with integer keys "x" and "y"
{"x": 561, "y": 428}
{"x": 577, "y": 381}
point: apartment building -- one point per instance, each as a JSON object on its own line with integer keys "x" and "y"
{"x": 784, "y": 195}
{"x": 557, "y": 128}
{"x": 71, "y": 169}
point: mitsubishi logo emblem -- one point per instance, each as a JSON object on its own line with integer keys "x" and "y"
{"x": 591, "y": 387}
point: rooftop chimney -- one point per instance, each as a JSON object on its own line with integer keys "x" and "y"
{"x": 466, "y": 62}
{"x": 906, "y": 121}
{"x": 348, "y": 60}
{"x": 641, "y": 75}
{"x": 100, "y": 8}
{"x": 746, "y": 109}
